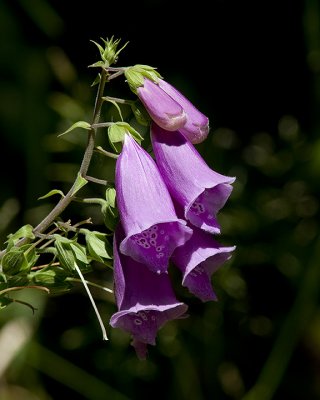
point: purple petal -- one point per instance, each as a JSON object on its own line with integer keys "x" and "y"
{"x": 198, "y": 259}
{"x": 140, "y": 348}
{"x": 148, "y": 217}
{"x": 162, "y": 108}
{"x": 196, "y": 128}
{"x": 201, "y": 191}
{"x": 145, "y": 301}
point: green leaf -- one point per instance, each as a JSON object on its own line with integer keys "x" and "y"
{"x": 111, "y": 196}
{"x": 117, "y": 107}
{"x": 116, "y": 135}
{"x": 136, "y": 74}
{"x": 49, "y": 276}
{"x": 52, "y": 277}
{"x": 101, "y": 49}
{"x": 51, "y": 193}
{"x": 97, "y": 80}
{"x": 117, "y": 132}
{"x": 135, "y": 134}
{"x": 98, "y": 64}
{"x": 30, "y": 254}
{"x": 18, "y": 280}
{"x": 79, "y": 124}
{"x": 110, "y": 211}
{"x": 14, "y": 261}
{"x": 25, "y": 231}
{"x": 98, "y": 247}
{"x": 79, "y": 252}
{"x": 79, "y": 183}
{"x": 19, "y": 260}
{"x": 65, "y": 254}
{"x": 32, "y": 257}
{"x": 110, "y": 217}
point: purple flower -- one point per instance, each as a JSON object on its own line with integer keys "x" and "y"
{"x": 201, "y": 191}
{"x": 196, "y": 128}
{"x": 198, "y": 259}
{"x": 145, "y": 301}
{"x": 162, "y": 108}
{"x": 148, "y": 217}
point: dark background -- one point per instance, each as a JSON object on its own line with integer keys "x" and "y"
{"x": 253, "y": 68}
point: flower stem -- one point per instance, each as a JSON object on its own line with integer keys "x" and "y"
{"x": 66, "y": 200}
{"x": 117, "y": 100}
{"x": 106, "y": 153}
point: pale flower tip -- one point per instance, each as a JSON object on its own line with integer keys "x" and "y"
{"x": 198, "y": 133}
{"x": 173, "y": 122}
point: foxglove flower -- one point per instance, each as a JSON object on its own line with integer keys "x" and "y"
{"x": 198, "y": 259}
{"x": 145, "y": 301}
{"x": 146, "y": 211}
{"x": 161, "y": 107}
{"x": 201, "y": 191}
{"x": 196, "y": 128}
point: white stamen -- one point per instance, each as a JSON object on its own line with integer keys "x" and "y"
{"x": 103, "y": 329}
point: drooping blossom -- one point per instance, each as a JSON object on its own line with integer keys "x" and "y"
{"x": 196, "y": 128}
{"x": 145, "y": 300}
{"x": 198, "y": 189}
{"x": 152, "y": 228}
{"x": 198, "y": 259}
{"x": 161, "y": 107}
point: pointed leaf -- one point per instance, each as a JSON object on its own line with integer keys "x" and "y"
{"x": 25, "y": 231}
{"x": 101, "y": 49}
{"x": 110, "y": 217}
{"x": 117, "y": 132}
{"x": 116, "y": 135}
{"x": 117, "y": 107}
{"x": 98, "y": 64}
{"x": 79, "y": 124}
{"x": 65, "y": 254}
{"x": 97, "y": 246}
{"x": 111, "y": 196}
{"x": 96, "y": 81}
{"x": 51, "y": 193}
{"x": 79, "y": 252}
{"x": 79, "y": 183}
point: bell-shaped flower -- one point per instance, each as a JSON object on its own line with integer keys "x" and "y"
{"x": 145, "y": 301}
{"x": 198, "y": 259}
{"x": 161, "y": 107}
{"x": 201, "y": 191}
{"x": 196, "y": 128}
{"x": 152, "y": 228}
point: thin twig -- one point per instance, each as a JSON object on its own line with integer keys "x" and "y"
{"x": 96, "y": 180}
{"x": 106, "y": 153}
{"x": 89, "y": 283}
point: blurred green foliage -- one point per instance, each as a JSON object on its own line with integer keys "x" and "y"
{"x": 261, "y": 340}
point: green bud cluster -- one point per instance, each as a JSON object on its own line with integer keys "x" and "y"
{"x": 109, "y": 52}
